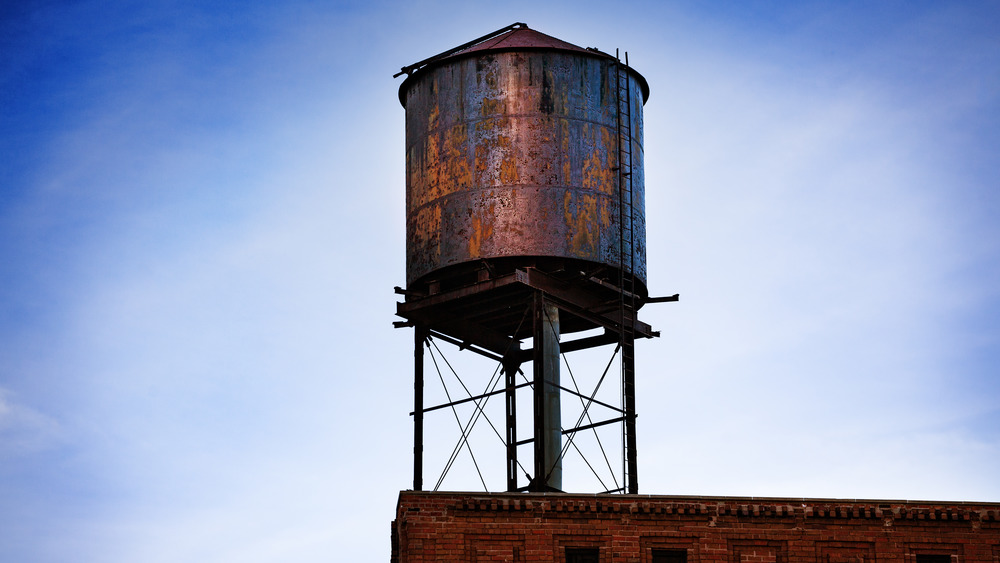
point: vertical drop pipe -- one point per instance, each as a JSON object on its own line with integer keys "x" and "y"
{"x": 553, "y": 412}
{"x": 548, "y": 414}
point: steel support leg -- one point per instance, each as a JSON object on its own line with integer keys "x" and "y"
{"x": 628, "y": 381}
{"x": 419, "y": 338}
{"x": 510, "y": 368}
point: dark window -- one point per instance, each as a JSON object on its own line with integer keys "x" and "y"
{"x": 933, "y": 558}
{"x": 582, "y": 555}
{"x": 670, "y": 556}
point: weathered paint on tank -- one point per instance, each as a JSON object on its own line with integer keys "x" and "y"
{"x": 515, "y": 154}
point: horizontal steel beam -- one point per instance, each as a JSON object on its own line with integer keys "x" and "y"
{"x": 594, "y": 425}
{"x": 595, "y": 401}
{"x": 466, "y": 400}
{"x": 466, "y": 345}
{"x": 470, "y": 333}
{"x": 588, "y": 342}
{"x": 407, "y": 307}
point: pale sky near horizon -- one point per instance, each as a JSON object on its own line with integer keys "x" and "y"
{"x": 201, "y": 222}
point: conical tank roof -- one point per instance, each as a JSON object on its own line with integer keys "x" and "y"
{"x": 519, "y": 38}
{"x": 523, "y": 38}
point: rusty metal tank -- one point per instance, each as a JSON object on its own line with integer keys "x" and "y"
{"x": 512, "y": 158}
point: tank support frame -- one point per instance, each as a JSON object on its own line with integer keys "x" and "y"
{"x": 480, "y": 318}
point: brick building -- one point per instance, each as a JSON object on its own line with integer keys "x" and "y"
{"x": 569, "y": 528}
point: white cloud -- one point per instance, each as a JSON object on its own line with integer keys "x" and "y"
{"x": 24, "y": 430}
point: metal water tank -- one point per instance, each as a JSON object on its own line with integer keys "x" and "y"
{"x": 512, "y": 158}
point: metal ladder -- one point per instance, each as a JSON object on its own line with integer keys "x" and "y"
{"x": 626, "y": 267}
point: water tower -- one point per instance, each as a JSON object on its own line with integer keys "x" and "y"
{"x": 525, "y": 223}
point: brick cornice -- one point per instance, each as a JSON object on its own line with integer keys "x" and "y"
{"x": 738, "y": 507}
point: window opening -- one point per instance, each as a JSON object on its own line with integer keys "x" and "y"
{"x": 669, "y": 556}
{"x": 582, "y": 555}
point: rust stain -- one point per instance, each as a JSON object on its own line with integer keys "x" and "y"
{"x": 492, "y": 106}
{"x": 432, "y": 118}
{"x": 598, "y": 173}
{"x": 427, "y": 226}
{"x": 414, "y": 184}
{"x": 564, "y": 133}
{"x": 433, "y": 162}
{"x": 490, "y": 75}
{"x": 580, "y": 213}
{"x": 482, "y": 230}
{"x": 490, "y": 125}
{"x": 494, "y": 158}
{"x": 479, "y": 163}
{"x": 593, "y": 167}
{"x": 508, "y": 163}
{"x": 592, "y": 170}
{"x": 459, "y": 176}
{"x": 610, "y": 162}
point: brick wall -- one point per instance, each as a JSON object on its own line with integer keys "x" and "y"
{"x": 627, "y": 529}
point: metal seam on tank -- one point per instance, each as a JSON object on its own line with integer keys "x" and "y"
{"x": 610, "y": 123}
{"x": 535, "y": 117}
{"x": 514, "y": 187}
{"x": 457, "y": 194}
{"x": 442, "y": 201}
{"x": 512, "y": 116}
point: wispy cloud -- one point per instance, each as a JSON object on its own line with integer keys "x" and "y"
{"x": 24, "y": 430}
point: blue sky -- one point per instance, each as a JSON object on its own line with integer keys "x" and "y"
{"x": 201, "y": 222}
